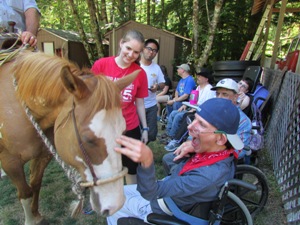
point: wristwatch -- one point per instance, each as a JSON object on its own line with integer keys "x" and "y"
{"x": 145, "y": 128}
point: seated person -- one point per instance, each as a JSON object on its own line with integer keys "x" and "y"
{"x": 227, "y": 89}
{"x": 176, "y": 118}
{"x": 244, "y": 87}
{"x": 198, "y": 178}
{"x": 165, "y": 95}
{"x": 183, "y": 90}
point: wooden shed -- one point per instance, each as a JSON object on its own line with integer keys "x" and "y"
{"x": 63, "y": 43}
{"x": 173, "y": 48}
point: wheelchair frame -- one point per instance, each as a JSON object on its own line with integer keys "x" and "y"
{"x": 230, "y": 210}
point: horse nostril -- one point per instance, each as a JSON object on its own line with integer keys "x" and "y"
{"x": 105, "y": 213}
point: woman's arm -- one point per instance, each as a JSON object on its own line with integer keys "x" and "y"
{"x": 142, "y": 116}
{"x": 245, "y": 102}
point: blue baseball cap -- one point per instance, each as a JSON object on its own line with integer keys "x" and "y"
{"x": 224, "y": 115}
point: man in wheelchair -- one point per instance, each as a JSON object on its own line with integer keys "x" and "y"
{"x": 198, "y": 178}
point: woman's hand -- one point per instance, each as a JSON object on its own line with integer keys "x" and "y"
{"x": 144, "y": 138}
{"x": 136, "y": 150}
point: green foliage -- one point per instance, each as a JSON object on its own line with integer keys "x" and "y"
{"x": 235, "y": 28}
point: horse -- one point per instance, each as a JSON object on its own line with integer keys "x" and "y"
{"x": 74, "y": 109}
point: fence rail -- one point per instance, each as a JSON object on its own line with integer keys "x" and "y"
{"x": 283, "y": 137}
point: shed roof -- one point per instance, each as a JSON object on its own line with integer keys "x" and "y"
{"x": 69, "y": 35}
{"x": 64, "y": 34}
{"x": 150, "y": 27}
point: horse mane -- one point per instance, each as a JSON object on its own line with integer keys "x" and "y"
{"x": 105, "y": 95}
{"x": 38, "y": 75}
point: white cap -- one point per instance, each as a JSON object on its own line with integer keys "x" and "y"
{"x": 228, "y": 84}
{"x": 185, "y": 67}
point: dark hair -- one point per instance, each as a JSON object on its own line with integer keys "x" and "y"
{"x": 151, "y": 40}
{"x": 249, "y": 82}
{"x": 228, "y": 145}
{"x": 164, "y": 70}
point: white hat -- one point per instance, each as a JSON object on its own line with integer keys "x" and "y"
{"x": 185, "y": 67}
{"x": 228, "y": 84}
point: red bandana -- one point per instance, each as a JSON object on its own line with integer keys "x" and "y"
{"x": 206, "y": 159}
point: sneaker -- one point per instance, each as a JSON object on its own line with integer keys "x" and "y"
{"x": 172, "y": 146}
{"x": 163, "y": 121}
{"x": 163, "y": 136}
{"x": 88, "y": 211}
{"x": 165, "y": 141}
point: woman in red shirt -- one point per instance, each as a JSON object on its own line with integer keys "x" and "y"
{"x": 133, "y": 109}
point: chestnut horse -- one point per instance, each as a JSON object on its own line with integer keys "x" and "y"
{"x": 80, "y": 112}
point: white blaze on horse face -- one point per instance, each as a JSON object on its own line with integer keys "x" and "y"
{"x": 108, "y": 125}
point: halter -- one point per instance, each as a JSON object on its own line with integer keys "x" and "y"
{"x": 71, "y": 173}
{"x": 96, "y": 181}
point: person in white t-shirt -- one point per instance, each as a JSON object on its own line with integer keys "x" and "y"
{"x": 156, "y": 81}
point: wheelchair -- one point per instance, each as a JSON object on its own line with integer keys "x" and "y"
{"x": 163, "y": 120}
{"x": 227, "y": 209}
{"x": 254, "y": 200}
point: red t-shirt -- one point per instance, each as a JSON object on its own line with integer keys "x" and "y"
{"x": 137, "y": 89}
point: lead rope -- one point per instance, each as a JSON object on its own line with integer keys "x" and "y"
{"x": 72, "y": 174}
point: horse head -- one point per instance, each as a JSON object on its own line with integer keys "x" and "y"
{"x": 85, "y": 132}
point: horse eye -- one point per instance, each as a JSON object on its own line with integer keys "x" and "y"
{"x": 90, "y": 141}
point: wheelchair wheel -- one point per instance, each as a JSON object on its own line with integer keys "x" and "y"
{"x": 254, "y": 200}
{"x": 235, "y": 212}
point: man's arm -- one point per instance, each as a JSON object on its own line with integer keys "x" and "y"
{"x": 32, "y": 22}
{"x": 182, "y": 98}
{"x": 136, "y": 150}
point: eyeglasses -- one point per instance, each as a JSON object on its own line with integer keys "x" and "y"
{"x": 151, "y": 49}
{"x": 243, "y": 85}
{"x": 196, "y": 130}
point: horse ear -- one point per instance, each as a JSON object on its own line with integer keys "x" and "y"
{"x": 73, "y": 84}
{"x": 125, "y": 81}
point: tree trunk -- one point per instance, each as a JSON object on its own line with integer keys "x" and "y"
{"x": 195, "y": 28}
{"x": 148, "y": 12}
{"x": 83, "y": 37}
{"x": 211, "y": 34}
{"x": 163, "y": 15}
{"x": 103, "y": 17}
{"x": 153, "y": 8}
{"x": 95, "y": 28}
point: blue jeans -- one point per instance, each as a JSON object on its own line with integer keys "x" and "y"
{"x": 174, "y": 122}
{"x": 175, "y": 106}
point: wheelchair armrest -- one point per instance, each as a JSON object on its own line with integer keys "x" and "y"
{"x": 242, "y": 183}
{"x": 164, "y": 219}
